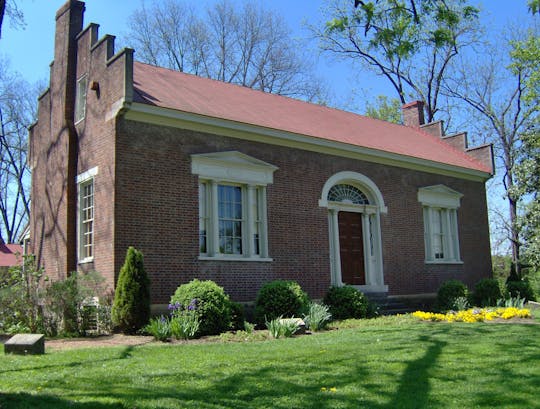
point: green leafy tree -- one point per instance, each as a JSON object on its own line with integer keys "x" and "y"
{"x": 131, "y": 307}
{"x": 494, "y": 90}
{"x": 386, "y": 109}
{"x": 409, "y": 43}
{"x": 526, "y": 60}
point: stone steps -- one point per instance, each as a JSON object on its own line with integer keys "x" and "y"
{"x": 389, "y": 306}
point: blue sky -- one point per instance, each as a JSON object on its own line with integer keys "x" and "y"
{"x": 30, "y": 50}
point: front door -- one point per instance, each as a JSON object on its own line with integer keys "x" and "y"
{"x": 351, "y": 246}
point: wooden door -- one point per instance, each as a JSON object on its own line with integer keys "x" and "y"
{"x": 351, "y": 248}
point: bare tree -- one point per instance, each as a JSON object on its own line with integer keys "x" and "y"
{"x": 17, "y": 112}
{"x": 495, "y": 94}
{"x": 10, "y": 9}
{"x": 249, "y": 46}
{"x": 409, "y": 43}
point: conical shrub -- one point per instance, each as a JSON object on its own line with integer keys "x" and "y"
{"x": 131, "y": 307}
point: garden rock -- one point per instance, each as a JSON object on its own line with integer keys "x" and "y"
{"x": 25, "y": 344}
{"x": 299, "y": 322}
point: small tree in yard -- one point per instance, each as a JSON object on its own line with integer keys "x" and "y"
{"x": 131, "y": 307}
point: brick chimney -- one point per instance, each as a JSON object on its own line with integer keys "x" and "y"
{"x": 69, "y": 23}
{"x": 413, "y": 114}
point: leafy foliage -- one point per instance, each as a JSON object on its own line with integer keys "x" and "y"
{"x": 20, "y": 297}
{"x": 346, "y": 302}
{"x": 282, "y": 327}
{"x": 526, "y": 59}
{"x": 30, "y": 302}
{"x": 131, "y": 307}
{"x": 159, "y": 328}
{"x": 385, "y": 109}
{"x": 238, "y": 316}
{"x": 280, "y": 298}
{"x": 317, "y": 317}
{"x": 184, "y": 325}
{"x": 448, "y": 293}
{"x": 486, "y": 292}
{"x": 213, "y": 307}
{"x": 520, "y": 289}
{"x": 409, "y": 43}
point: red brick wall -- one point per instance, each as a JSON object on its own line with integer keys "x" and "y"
{"x": 51, "y": 140}
{"x": 51, "y": 240}
{"x": 157, "y": 212}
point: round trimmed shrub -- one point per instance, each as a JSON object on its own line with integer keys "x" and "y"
{"x": 213, "y": 306}
{"x": 131, "y": 306}
{"x": 486, "y": 293}
{"x": 448, "y": 293}
{"x": 346, "y": 302}
{"x": 280, "y": 298}
{"x": 521, "y": 289}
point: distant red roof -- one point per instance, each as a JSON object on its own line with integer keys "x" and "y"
{"x": 192, "y": 94}
{"x": 10, "y": 255}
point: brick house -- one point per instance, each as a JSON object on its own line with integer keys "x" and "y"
{"x": 217, "y": 181}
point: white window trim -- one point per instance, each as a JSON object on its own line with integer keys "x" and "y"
{"x": 253, "y": 175}
{"x": 80, "y": 180}
{"x": 79, "y": 99}
{"x": 440, "y": 197}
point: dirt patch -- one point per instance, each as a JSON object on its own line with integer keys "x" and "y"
{"x": 101, "y": 341}
{"x": 118, "y": 340}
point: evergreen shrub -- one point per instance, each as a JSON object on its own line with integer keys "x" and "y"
{"x": 131, "y": 306}
{"x": 486, "y": 293}
{"x": 280, "y": 298}
{"x": 520, "y": 289}
{"x": 449, "y": 292}
{"x": 346, "y": 302}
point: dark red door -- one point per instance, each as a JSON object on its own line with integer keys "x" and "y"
{"x": 351, "y": 248}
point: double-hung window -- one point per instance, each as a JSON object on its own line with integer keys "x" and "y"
{"x": 85, "y": 225}
{"x": 441, "y": 238}
{"x": 232, "y": 206}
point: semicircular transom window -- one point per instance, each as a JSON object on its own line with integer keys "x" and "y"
{"x": 348, "y": 194}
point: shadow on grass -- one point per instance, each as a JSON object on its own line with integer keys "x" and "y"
{"x": 414, "y": 387}
{"x": 28, "y": 401}
{"x": 254, "y": 381}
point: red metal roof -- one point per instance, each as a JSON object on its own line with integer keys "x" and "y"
{"x": 10, "y": 255}
{"x": 192, "y": 94}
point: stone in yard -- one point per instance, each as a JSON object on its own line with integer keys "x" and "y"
{"x": 299, "y": 322}
{"x": 25, "y": 344}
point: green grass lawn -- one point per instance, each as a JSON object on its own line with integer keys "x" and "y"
{"x": 383, "y": 363}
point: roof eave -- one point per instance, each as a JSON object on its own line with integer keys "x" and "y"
{"x": 179, "y": 119}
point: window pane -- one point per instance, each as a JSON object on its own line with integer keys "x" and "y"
{"x": 203, "y": 219}
{"x": 230, "y": 219}
{"x": 437, "y": 233}
{"x": 86, "y": 219}
{"x": 256, "y": 222}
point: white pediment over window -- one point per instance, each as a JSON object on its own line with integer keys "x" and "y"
{"x": 439, "y": 196}
{"x": 232, "y": 166}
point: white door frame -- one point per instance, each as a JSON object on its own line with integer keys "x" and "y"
{"x": 371, "y": 229}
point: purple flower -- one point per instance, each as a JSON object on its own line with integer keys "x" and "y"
{"x": 193, "y": 305}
